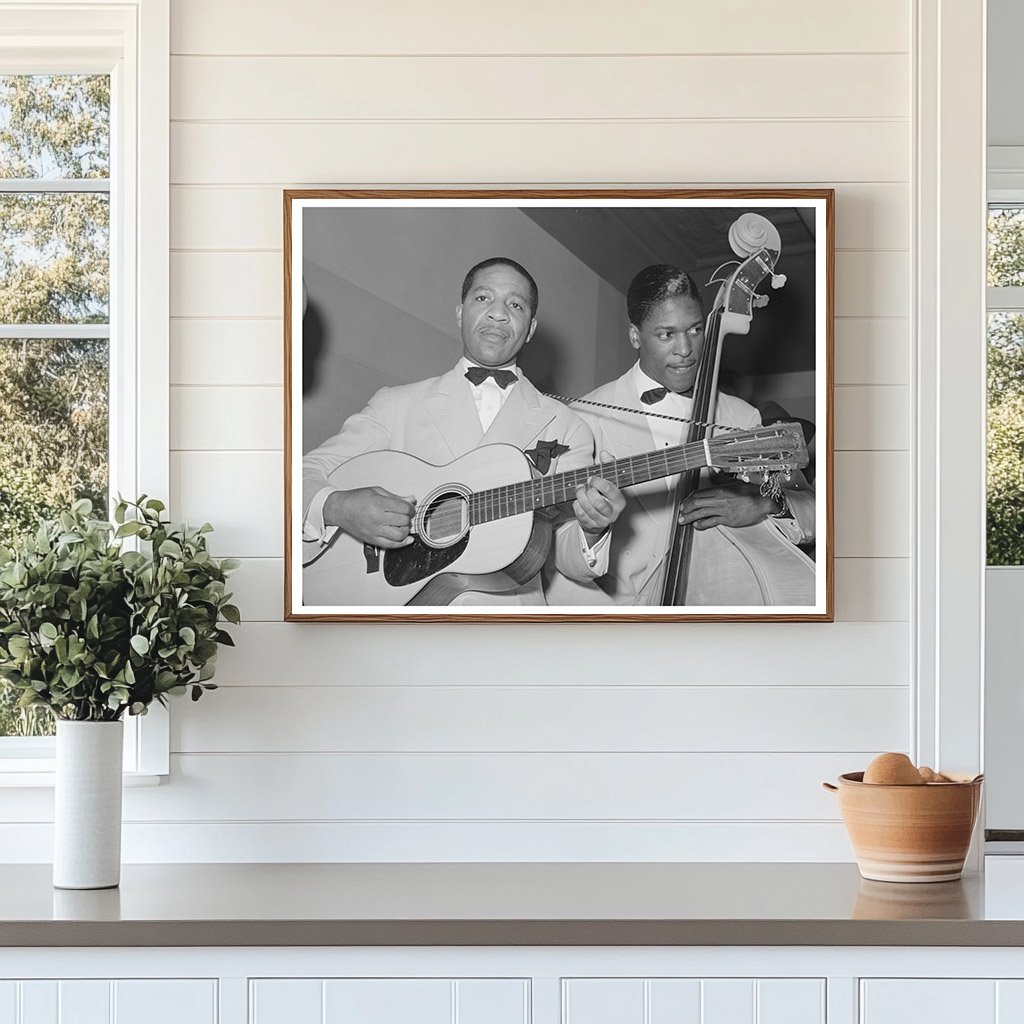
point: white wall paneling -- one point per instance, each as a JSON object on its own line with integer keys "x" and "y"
{"x": 602, "y": 151}
{"x": 867, "y": 590}
{"x": 846, "y": 654}
{"x": 869, "y": 215}
{"x": 499, "y": 786}
{"x": 332, "y": 741}
{"x": 310, "y": 88}
{"x": 736, "y": 26}
{"x": 228, "y": 353}
{"x": 544, "y": 717}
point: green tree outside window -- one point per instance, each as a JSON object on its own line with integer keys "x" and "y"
{"x": 54, "y": 272}
{"x": 1005, "y": 481}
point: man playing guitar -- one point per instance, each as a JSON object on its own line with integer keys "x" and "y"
{"x": 484, "y": 399}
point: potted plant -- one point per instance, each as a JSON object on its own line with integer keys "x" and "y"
{"x": 93, "y": 631}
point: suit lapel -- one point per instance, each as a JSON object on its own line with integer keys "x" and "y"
{"x": 631, "y": 435}
{"x": 521, "y": 419}
{"x": 454, "y": 413}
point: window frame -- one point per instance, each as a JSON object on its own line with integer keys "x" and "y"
{"x": 130, "y": 41}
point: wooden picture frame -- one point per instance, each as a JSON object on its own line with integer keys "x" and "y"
{"x": 376, "y": 323}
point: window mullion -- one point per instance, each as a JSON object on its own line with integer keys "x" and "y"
{"x": 1005, "y": 300}
{"x": 54, "y": 185}
{"x": 62, "y": 332}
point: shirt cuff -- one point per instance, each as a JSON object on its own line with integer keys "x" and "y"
{"x": 596, "y": 557}
{"x": 313, "y": 528}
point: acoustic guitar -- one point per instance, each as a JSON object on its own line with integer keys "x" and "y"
{"x": 483, "y": 522}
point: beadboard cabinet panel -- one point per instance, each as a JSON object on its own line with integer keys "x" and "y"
{"x": 693, "y": 1001}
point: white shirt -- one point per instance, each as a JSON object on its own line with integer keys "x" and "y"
{"x": 488, "y": 395}
{"x": 730, "y": 412}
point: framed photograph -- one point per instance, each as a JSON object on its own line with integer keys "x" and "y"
{"x": 558, "y": 405}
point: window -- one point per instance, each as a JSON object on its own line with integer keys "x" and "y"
{"x": 84, "y": 123}
{"x": 1005, "y": 478}
{"x": 54, "y": 309}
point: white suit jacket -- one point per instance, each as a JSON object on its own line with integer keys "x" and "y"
{"x": 436, "y": 420}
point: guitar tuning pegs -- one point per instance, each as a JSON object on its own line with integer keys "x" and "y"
{"x": 778, "y": 280}
{"x": 760, "y": 301}
{"x": 745, "y": 477}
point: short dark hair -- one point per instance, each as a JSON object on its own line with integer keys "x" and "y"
{"x": 503, "y": 261}
{"x": 656, "y": 283}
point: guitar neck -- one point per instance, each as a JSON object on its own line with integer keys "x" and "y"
{"x": 532, "y": 495}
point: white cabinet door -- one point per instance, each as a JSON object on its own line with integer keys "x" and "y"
{"x": 144, "y": 1001}
{"x": 693, "y": 1001}
{"x": 389, "y": 1001}
{"x": 942, "y": 1001}
{"x": 929, "y": 1000}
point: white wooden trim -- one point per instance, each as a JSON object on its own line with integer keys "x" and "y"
{"x": 949, "y": 304}
{"x": 63, "y": 185}
{"x": 1004, "y": 299}
{"x": 62, "y": 332}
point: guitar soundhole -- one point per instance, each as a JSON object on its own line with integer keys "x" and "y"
{"x": 445, "y": 519}
{"x": 417, "y": 561}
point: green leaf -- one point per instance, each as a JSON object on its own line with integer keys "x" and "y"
{"x": 128, "y": 529}
{"x": 155, "y": 504}
{"x": 231, "y": 613}
{"x": 49, "y": 631}
{"x": 18, "y": 646}
{"x": 188, "y": 635}
{"x": 170, "y": 549}
{"x": 229, "y": 564}
{"x": 140, "y": 644}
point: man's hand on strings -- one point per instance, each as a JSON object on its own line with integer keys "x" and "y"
{"x": 735, "y": 504}
{"x": 597, "y": 506}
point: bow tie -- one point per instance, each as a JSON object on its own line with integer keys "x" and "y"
{"x": 503, "y": 378}
{"x": 653, "y": 396}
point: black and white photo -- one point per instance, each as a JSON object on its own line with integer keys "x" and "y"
{"x": 558, "y": 405}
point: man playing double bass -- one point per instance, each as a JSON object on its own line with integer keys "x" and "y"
{"x": 666, "y": 327}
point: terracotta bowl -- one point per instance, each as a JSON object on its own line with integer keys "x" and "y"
{"x": 909, "y": 833}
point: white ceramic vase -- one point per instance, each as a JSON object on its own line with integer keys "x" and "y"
{"x": 87, "y": 805}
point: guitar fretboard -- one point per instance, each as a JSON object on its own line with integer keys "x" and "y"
{"x": 530, "y": 495}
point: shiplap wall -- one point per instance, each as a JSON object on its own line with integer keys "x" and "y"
{"x": 681, "y": 741}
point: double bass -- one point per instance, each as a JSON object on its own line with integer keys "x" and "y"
{"x": 724, "y": 565}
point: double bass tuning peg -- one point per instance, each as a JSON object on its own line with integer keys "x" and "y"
{"x": 760, "y": 301}
{"x": 778, "y": 280}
